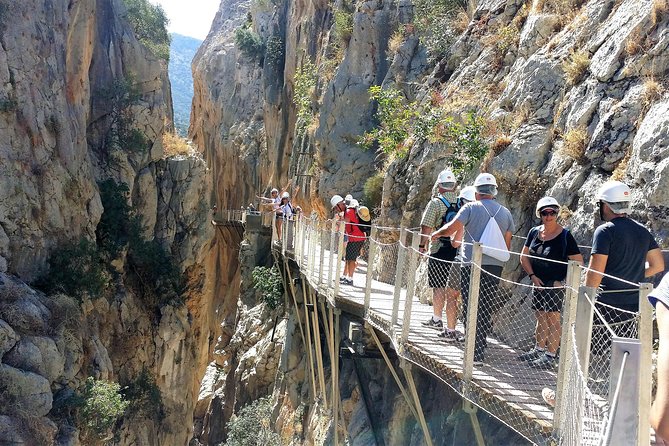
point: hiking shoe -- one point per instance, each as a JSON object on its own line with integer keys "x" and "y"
{"x": 431, "y": 323}
{"x": 479, "y": 359}
{"x": 449, "y": 335}
{"x": 347, "y": 282}
{"x": 549, "y": 396}
{"x": 545, "y": 362}
{"x": 531, "y": 355}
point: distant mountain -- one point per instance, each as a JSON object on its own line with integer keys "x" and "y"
{"x": 182, "y": 51}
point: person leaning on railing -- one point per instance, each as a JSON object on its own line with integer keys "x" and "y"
{"x": 548, "y": 241}
{"x": 621, "y": 247}
{"x": 659, "y": 413}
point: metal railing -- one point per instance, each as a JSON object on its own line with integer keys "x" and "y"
{"x": 599, "y": 346}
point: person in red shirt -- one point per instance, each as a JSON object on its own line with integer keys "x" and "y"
{"x": 354, "y": 236}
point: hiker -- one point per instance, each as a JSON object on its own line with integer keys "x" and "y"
{"x": 484, "y": 216}
{"x": 621, "y": 247}
{"x": 272, "y": 202}
{"x": 659, "y": 412}
{"x": 353, "y": 237}
{"x": 285, "y": 214}
{"x": 440, "y": 210}
{"x": 453, "y": 283}
{"x": 365, "y": 224}
{"x": 548, "y": 241}
{"x": 347, "y": 200}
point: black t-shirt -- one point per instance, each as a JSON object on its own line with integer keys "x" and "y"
{"x": 626, "y": 242}
{"x": 557, "y": 248}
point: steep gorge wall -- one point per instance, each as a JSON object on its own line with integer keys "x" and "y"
{"x": 60, "y": 62}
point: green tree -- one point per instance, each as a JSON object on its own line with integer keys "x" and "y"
{"x": 249, "y": 43}
{"x": 149, "y": 23}
{"x": 268, "y": 282}
{"x": 100, "y": 406}
{"x": 305, "y": 83}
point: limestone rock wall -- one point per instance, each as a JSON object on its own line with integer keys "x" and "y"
{"x": 60, "y": 62}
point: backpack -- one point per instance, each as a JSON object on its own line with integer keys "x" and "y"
{"x": 492, "y": 239}
{"x": 451, "y": 211}
{"x": 367, "y": 224}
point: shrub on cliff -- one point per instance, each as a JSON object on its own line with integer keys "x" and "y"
{"x": 268, "y": 282}
{"x": 144, "y": 396}
{"x": 249, "y": 43}
{"x": 149, "y": 23}
{"x": 99, "y": 406}
{"x": 76, "y": 269}
{"x": 250, "y": 426}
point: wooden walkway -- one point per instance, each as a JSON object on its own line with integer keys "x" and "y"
{"x": 496, "y": 386}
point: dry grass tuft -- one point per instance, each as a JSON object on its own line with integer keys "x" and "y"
{"x": 620, "y": 171}
{"x": 174, "y": 145}
{"x": 633, "y": 44}
{"x": 11, "y": 292}
{"x": 460, "y": 21}
{"x": 652, "y": 91}
{"x": 576, "y": 66}
{"x": 575, "y": 141}
{"x": 394, "y": 43}
{"x": 500, "y": 144}
{"x": 658, "y": 11}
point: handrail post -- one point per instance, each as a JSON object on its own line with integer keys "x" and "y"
{"x": 645, "y": 375}
{"x": 312, "y": 249}
{"x": 321, "y": 264}
{"x": 572, "y": 284}
{"x": 298, "y": 238}
{"x": 371, "y": 253}
{"x": 274, "y": 234}
{"x": 472, "y": 314}
{"x": 583, "y": 326}
{"x": 331, "y": 265}
{"x": 284, "y": 236}
{"x": 340, "y": 251}
{"x": 411, "y": 283}
{"x": 398, "y": 277}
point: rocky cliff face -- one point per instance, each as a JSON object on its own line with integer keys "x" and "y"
{"x": 83, "y": 102}
{"x": 570, "y": 94}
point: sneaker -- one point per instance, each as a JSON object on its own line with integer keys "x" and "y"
{"x": 431, "y": 323}
{"x": 544, "y": 362}
{"x": 348, "y": 282}
{"x": 549, "y": 396}
{"x": 449, "y": 335}
{"x": 343, "y": 280}
{"x": 531, "y": 355}
{"x": 479, "y": 359}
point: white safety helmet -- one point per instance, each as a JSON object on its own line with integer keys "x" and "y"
{"x": 486, "y": 184}
{"x": 275, "y": 190}
{"x": 446, "y": 176}
{"x": 485, "y": 179}
{"x": 335, "y": 200}
{"x": 353, "y": 203}
{"x": 348, "y": 198}
{"x": 546, "y": 202}
{"x": 617, "y": 195}
{"x": 285, "y": 195}
{"x": 468, "y": 193}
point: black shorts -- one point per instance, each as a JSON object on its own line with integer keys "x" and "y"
{"x": 353, "y": 250}
{"x": 547, "y": 299}
{"x": 438, "y": 267}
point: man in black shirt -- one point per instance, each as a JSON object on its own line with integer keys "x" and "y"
{"x": 621, "y": 247}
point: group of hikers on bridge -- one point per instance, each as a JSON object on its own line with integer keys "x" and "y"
{"x": 623, "y": 252}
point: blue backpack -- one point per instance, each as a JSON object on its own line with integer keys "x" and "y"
{"x": 451, "y": 211}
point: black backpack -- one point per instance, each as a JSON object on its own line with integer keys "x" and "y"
{"x": 366, "y": 227}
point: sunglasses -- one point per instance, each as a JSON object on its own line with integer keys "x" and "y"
{"x": 447, "y": 185}
{"x": 547, "y": 212}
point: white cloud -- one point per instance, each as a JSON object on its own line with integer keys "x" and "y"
{"x": 189, "y": 17}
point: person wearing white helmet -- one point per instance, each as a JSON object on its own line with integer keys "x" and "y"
{"x": 353, "y": 235}
{"x": 624, "y": 248}
{"x": 545, "y": 246}
{"x": 347, "y": 199}
{"x": 473, "y": 218}
{"x": 659, "y": 412}
{"x": 441, "y": 208}
{"x": 274, "y": 201}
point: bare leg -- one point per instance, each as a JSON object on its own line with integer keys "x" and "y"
{"x": 452, "y": 297}
{"x": 542, "y": 329}
{"x": 438, "y": 299}
{"x": 554, "y": 331}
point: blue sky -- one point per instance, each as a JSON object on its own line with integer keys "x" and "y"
{"x": 190, "y": 17}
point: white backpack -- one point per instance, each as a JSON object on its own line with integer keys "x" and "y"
{"x": 493, "y": 241}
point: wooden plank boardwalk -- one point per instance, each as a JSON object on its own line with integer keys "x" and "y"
{"x": 497, "y": 386}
